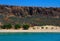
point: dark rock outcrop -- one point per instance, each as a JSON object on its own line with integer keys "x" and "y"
{"x": 31, "y": 15}
{"x": 25, "y": 11}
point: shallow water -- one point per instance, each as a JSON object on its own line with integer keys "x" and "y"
{"x": 29, "y": 36}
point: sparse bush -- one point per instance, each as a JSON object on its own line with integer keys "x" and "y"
{"x": 6, "y": 26}
{"x": 25, "y": 27}
{"x": 17, "y": 26}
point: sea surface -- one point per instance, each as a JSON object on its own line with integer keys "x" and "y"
{"x": 30, "y": 36}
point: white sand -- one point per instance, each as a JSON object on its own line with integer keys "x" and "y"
{"x": 37, "y": 29}
{"x": 29, "y": 30}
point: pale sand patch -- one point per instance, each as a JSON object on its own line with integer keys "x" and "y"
{"x": 34, "y": 29}
{"x": 41, "y": 30}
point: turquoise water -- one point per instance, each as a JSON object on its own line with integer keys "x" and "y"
{"x": 29, "y": 36}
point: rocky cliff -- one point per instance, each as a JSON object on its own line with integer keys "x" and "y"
{"x": 30, "y": 15}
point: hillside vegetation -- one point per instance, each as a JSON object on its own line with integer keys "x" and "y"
{"x": 29, "y": 15}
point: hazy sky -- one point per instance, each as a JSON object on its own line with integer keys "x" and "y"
{"x": 42, "y": 3}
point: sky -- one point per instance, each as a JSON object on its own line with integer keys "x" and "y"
{"x": 39, "y": 3}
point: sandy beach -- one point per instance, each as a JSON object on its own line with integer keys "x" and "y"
{"x": 44, "y": 30}
{"x": 34, "y": 29}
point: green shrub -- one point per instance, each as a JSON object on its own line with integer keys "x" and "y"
{"x": 6, "y": 26}
{"x": 25, "y": 27}
{"x": 17, "y": 26}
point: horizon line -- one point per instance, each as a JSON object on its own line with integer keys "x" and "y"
{"x": 31, "y": 6}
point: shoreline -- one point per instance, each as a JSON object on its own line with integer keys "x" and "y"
{"x": 29, "y": 30}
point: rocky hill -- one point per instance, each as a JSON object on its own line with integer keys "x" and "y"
{"x": 29, "y": 15}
